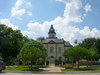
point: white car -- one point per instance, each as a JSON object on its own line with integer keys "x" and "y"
{"x": 2, "y": 65}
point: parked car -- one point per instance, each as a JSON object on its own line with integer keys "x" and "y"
{"x": 2, "y": 65}
{"x": 98, "y": 61}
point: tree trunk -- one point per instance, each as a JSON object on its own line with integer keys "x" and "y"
{"x": 45, "y": 61}
{"x": 31, "y": 65}
{"x": 77, "y": 62}
{"x": 87, "y": 64}
{"x": 72, "y": 64}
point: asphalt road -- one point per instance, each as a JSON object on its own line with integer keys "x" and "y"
{"x": 49, "y": 74}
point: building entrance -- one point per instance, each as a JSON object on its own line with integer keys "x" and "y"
{"x": 52, "y": 60}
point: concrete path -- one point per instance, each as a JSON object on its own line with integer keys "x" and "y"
{"x": 52, "y": 68}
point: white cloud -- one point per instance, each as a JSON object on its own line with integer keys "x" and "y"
{"x": 39, "y": 29}
{"x": 72, "y": 10}
{"x": 29, "y": 4}
{"x": 18, "y": 11}
{"x": 68, "y": 32}
{"x": 30, "y": 13}
{"x": 63, "y": 25}
{"x": 95, "y": 33}
{"x": 28, "y": 33}
{"x": 8, "y": 23}
{"x": 19, "y": 3}
{"x": 87, "y": 8}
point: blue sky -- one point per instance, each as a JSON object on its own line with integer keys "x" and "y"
{"x": 72, "y": 19}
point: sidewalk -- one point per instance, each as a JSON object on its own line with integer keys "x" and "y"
{"x": 49, "y": 71}
{"x": 52, "y": 68}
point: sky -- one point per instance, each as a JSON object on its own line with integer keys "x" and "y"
{"x": 72, "y": 19}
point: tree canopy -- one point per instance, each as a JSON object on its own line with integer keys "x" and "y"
{"x": 93, "y": 54}
{"x": 34, "y": 47}
{"x": 76, "y": 53}
{"x": 32, "y": 51}
{"x": 89, "y": 43}
{"x": 28, "y": 53}
{"x": 11, "y": 41}
{"x": 40, "y": 39}
{"x": 38, "y": 45}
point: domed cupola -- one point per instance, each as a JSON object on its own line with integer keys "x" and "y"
{"x": 51, "y": 32}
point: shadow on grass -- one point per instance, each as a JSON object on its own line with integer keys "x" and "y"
{"x": 85, "y": 69}
{"x": 23, "y": 68}
{"x": 33, "y": 69}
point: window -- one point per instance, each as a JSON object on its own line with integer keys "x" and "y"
{"x": 51, "y": 50}
{"x": 52, "y": 56}
{"x": 60, "y": 50}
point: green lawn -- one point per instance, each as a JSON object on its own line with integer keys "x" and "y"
{"x": 26, "y": 68}
{"x": 21, "y": 68}
{"x": 90, "y": 68}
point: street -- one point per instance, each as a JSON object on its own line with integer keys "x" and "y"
{"x": 49, "y": 74}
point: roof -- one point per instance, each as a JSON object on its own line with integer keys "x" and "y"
{"x": 56, "y": 41}
{"x": 67, "y": 44}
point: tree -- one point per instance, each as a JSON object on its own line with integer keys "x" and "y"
{"x": 94, "y": 55}
{"x": 76, "y": 53}
{"x": 75, "y": 42}
{"x": 31, "y": 52}
{"x": 11, "y": 41}
{"x": 89, "y": 43}
{"x": 40, "y": 39}
{"x": 38, "y": 45}
{"x": 98, "y": 45}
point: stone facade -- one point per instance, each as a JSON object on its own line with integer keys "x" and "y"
{"x": 55, "y": 47}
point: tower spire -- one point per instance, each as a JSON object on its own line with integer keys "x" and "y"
{"x": 51, "y": 32}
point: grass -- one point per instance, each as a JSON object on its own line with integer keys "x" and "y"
{"x": 21, "y": 68}
{"x": 26, "y": 68}
{"x": 83, "y": 68}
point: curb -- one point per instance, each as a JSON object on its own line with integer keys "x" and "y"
{"x": 71, "y": 72}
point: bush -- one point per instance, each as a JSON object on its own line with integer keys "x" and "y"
{"x": 57, "y": 62}
{"x": 40, "y": 62}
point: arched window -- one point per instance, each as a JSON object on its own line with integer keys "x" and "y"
{"x": 51, "y": 49}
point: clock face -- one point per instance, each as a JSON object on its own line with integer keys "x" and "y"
{"x": 51, "y": 29}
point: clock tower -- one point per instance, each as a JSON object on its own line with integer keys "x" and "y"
{"x": 51, "y": 32}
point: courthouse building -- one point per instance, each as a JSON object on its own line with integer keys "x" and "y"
{"x": 55, "y": 46}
